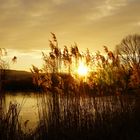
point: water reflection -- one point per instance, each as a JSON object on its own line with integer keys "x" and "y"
{"x": 34, "y": 106}
{"x": 28, "y": 107}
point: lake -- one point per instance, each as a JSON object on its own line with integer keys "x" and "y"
{"x": 28, "y": 103}
{"x": 32, "y": 105}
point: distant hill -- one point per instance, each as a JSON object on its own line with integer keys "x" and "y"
{"x": 18, "y": 80}
{"x": 17, "y": 75}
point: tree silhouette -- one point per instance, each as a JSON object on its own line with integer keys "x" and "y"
{"x": 129, "y": 51}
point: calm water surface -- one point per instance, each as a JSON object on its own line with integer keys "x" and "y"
{"x": 28, "y": 102}
{"x": 31, "y": 103}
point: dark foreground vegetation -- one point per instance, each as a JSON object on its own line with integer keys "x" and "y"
{"x": 72, "y": 117}
{"x": 104, "y": 104}
{"x": 78, "y": 117}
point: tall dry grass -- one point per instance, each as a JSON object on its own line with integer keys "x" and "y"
{"x": 74, "y": 116}
{"x": 10, "y": 128}
{"x": 108, "y": 73}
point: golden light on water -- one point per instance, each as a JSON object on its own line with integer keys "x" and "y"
{"x": 82, "y": 69}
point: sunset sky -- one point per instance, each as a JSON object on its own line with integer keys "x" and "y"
{"x": 25, "y": 25}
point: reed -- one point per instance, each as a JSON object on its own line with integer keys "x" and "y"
{"x": 83, "y": 117}
{"x": 76, "y": 116}
{"x": 10, "y": 127}
{"x": 72, "y": 109}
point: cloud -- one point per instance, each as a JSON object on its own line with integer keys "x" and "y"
{"x": 137, "y": 24}
{"x": 106, "y": 8}
{"x": 26, "y": 24}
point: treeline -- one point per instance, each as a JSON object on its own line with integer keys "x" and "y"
{"x": 111, "y": 72}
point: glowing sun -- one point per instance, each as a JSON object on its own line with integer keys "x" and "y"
{"x": 82, "y": 69}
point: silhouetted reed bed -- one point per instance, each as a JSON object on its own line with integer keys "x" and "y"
{"x": 10, "y": 127}
{"x": 78, "y": 117}
{"x": 77, "y": 107}
{"x": 73, "y": 110}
